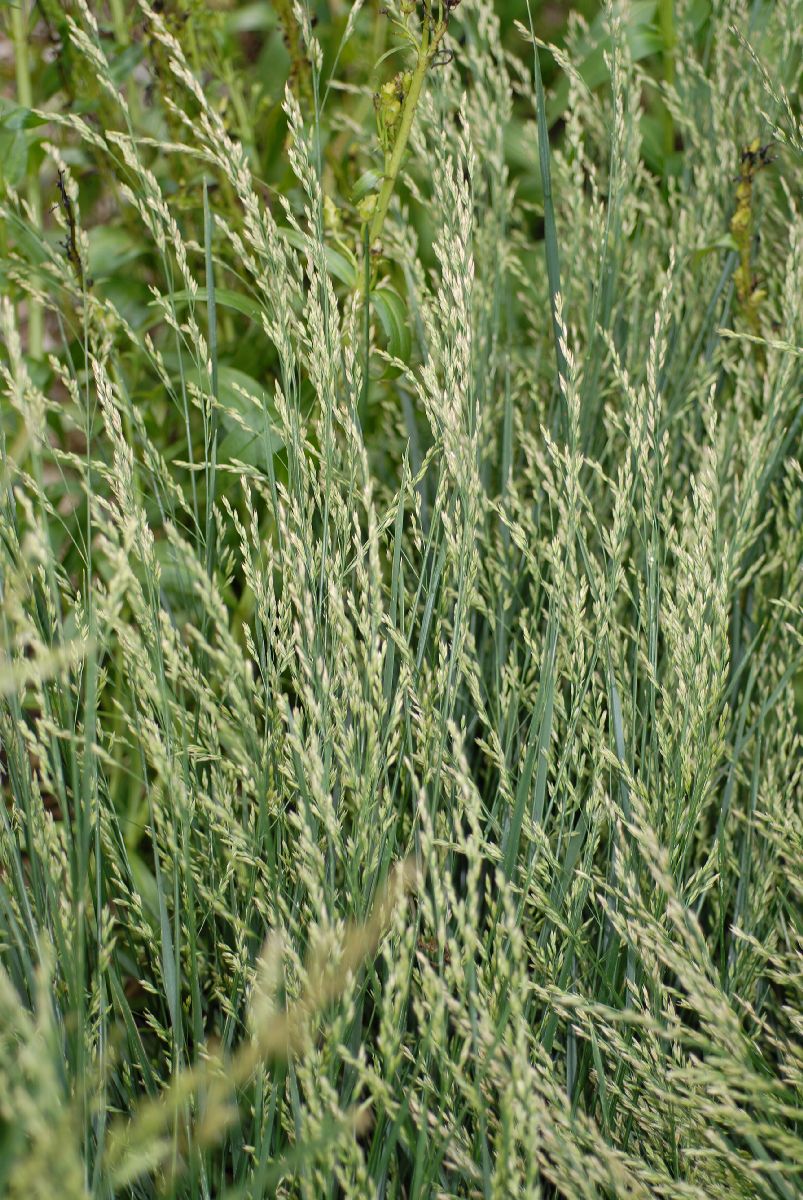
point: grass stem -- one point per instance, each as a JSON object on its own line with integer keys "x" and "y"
{"x": 20, "y": 34}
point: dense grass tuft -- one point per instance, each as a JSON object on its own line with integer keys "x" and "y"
{"x": 401, "y": 597}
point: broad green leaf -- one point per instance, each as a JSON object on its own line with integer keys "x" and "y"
{"x": 369, "y": 181}
{"x": 112, "y": 248}
{"x": 246, "y": 413}
{"x": 241, "y": 445}
{"x": 225, "y": 298}
{"x": 392, "y": 313}
{"x": 249, "y": 407}
{"x": 336, "y": 263}
{"x": 13, "y": 156}
{"x": 15, "y": 116}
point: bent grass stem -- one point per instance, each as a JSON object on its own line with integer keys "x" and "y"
{"x": 426, "y": 51}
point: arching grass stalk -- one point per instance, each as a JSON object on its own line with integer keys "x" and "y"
{"x": 395, "y": 113}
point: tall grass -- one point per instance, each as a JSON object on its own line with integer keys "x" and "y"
{"x": 401, "y": 619}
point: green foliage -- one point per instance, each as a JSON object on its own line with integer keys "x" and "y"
{"x": 401, "y": 583}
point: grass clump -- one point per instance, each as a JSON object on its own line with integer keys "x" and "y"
{"x": 401, "y": 580}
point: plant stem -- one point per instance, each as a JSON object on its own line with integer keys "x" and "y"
{"x": 19, "y": 29}
{"x": 666, "y": 22}
{"x": 119, "y": 22}
{"x": 405, "y": 125}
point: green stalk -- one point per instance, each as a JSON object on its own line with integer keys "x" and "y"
{"x": 119, "y": 22}
{"x": 405, "y": 125}
{"x": 211, "y": 432}
{"x": 666, "y": 24}
{"x": 19, "y": 31}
